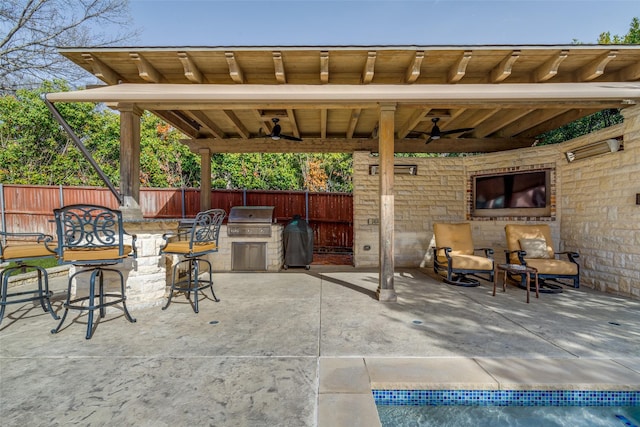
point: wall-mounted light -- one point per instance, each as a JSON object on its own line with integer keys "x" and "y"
{"x": 397, "y": 169}
{"x": 595, "y": 149}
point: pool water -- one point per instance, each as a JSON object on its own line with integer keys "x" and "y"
{"x": 478, "y": 408}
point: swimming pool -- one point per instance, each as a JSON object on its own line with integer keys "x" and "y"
{"x": 398, "y": 408}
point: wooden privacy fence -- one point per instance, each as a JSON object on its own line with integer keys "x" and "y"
{"x": 29, "y": 208}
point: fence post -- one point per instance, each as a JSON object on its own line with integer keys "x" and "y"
{"x": 306, "y": 205}
{"x": 244, "y": 197}
{"x": 184, "y": 214}
{"x": 4, "y": 219}
{"x": 61, "y": 195}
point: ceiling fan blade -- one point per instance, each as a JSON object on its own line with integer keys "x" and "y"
{"x": 290, "y": 138}
{"x": 452, "y": 131}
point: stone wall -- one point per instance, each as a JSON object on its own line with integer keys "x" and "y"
{"x": 593, "y": 204}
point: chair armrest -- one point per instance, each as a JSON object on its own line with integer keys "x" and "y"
{"x": 182, "y": 235}
{"x": 571, "y": 255}
{"x": 521, "y": 255}
{"x": 488, "y": 252}
{"x": 447, "y": 250}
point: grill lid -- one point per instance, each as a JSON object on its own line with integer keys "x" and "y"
{"x": 251, "y": 214}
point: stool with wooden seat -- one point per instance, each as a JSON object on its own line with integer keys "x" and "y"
{"x": 92, "y": 238}
{"x": 192, "y": 246}
{"x": 23, "y": 249}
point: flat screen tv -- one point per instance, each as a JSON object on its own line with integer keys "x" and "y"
{"x": 512, "y": 194}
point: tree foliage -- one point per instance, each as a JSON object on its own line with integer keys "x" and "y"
{"x": 632, "y": 37}
{"x": 31, "y": 31}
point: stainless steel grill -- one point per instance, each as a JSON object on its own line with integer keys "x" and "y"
{"x": 250, "y": 221}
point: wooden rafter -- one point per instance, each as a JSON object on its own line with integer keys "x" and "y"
{"x": 414, "y": 120}
{"x": 278, "y": 65}
{"x": 596, "y": 67}
{"x": 533, "y": 119}
{"x": 353, "y": 122}
{"x": 191, "y": 71}
{"x": 457, "y": 72}
{"x": 292, "y": 121}
{"x": 369, "y": 68}
{"x": 237, "y": 124}
{"x": 630, "y": 72}
{"x": 503, "y": 69}
{"x": 550, "y": 68}
{"x": 145, "y": 70}
{"x": 235, "y": 71}
{"x": 413, "y": 71}
{"x": 558, "y": 121}
{"x": 323, "y": 122}
{"x": 324, "y": 67}
{"x": 499, "y": 121}
{"x": 179, "y": 122}
{"x": 102, "y": 70}
{"x": 207, "y": 123}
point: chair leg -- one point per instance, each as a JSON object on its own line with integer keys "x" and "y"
{"x": 41, "y": 294}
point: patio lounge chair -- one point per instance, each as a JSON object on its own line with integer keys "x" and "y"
{"x": 454, "y": 256}
{"x": 23, "y": 249}
{"x": 92, "y": 238}
{"x": 532, "y": 245}
{"x": 192, "y": 245}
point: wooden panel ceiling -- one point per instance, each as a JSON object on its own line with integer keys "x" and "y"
{"x": 496, "y": 125}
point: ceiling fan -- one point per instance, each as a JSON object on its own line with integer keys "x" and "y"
{"x": 436, "y": 133}
{"x": 276, "y": 133}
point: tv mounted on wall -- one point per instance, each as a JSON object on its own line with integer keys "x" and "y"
{"x": 526, "y": 193}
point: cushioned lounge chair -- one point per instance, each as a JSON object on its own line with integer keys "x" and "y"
{"x": 532, "y": 245}
{"x": 454, "y": 256}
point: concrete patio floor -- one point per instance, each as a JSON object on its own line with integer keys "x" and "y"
{"x": 305, "y": 348}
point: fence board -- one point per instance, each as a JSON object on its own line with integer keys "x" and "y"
{"x": 330, "y": 215}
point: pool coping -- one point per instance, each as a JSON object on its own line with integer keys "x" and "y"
{"x": 345, "y": 395}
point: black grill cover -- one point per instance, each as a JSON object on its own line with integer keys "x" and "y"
{"x": 298, "y": 243}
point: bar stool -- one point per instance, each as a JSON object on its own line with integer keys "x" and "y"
{"x": 92, "y": 238}
{"x": 192, "y": 245}
{"x": 23, "y": 249}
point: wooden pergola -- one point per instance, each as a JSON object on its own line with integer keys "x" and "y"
{"x": 381, "y": 99}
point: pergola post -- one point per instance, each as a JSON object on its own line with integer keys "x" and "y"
{"x": 130, "y": 160}
{"x": 386, "y": 291}
{"x": 205, "y": 179}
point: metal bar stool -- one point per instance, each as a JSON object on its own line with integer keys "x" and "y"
{"x": 192, "y": 245}
{"x": 92, "y": 238}
{"x": 23, "y": 249}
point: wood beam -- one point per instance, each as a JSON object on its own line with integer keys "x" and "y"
{"x": 343, "y": 145}
{"x": 278, "y": 65}
{"x": 557, "y": 122}
{"x": 413, "y": 72}
{"x": 457, "y": 72}
{"x": 630, "y": 73}
{"x": 503, "y": 69}
{"x": 205, "y": 179}
{"x": 202, "y": 118}
{"x": 369, "y": 67}
{"x": 596, "y": 67}
{"x": 324, "y": 67}
{"x": 235, "y": 71}
{"x": 237, "y": 123}
{"x": 527, "y": 122}
{"x": 550, "y": 68}
{"x": 353, "y": 122}
{"x": 178, "y": 122}
{"x": 146, "y": 71}
{"x": 294, "y": 125}
{"x": 415, "y": 119}
{"x": 386, "y": 291}
{"x": 102, "y": 70}
{"x": 130, "y": 159}
{"x": 499, "y": 121}
{"x": 191, "y": 71}
{"x": 323, "y": 122}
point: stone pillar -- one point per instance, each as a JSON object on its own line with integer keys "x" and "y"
{"x": 130, "y": 161}
{"x": 386, "y": 291}
{"x": 205, "y": 179}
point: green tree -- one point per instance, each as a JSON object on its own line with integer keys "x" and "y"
{"x": 603, "y": 118}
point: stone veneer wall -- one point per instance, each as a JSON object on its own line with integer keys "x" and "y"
{"x": 594, "y": 209}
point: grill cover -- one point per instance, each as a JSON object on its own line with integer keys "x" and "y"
{"x": 250, "y": 214}
{"x": 298, "y": 243}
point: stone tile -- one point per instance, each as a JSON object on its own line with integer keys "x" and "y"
{"x": 561, "y": 374}
{"x": 428, "y": 373}
{"x": 347, "y": 410}
{"x": 343, "y": 375}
